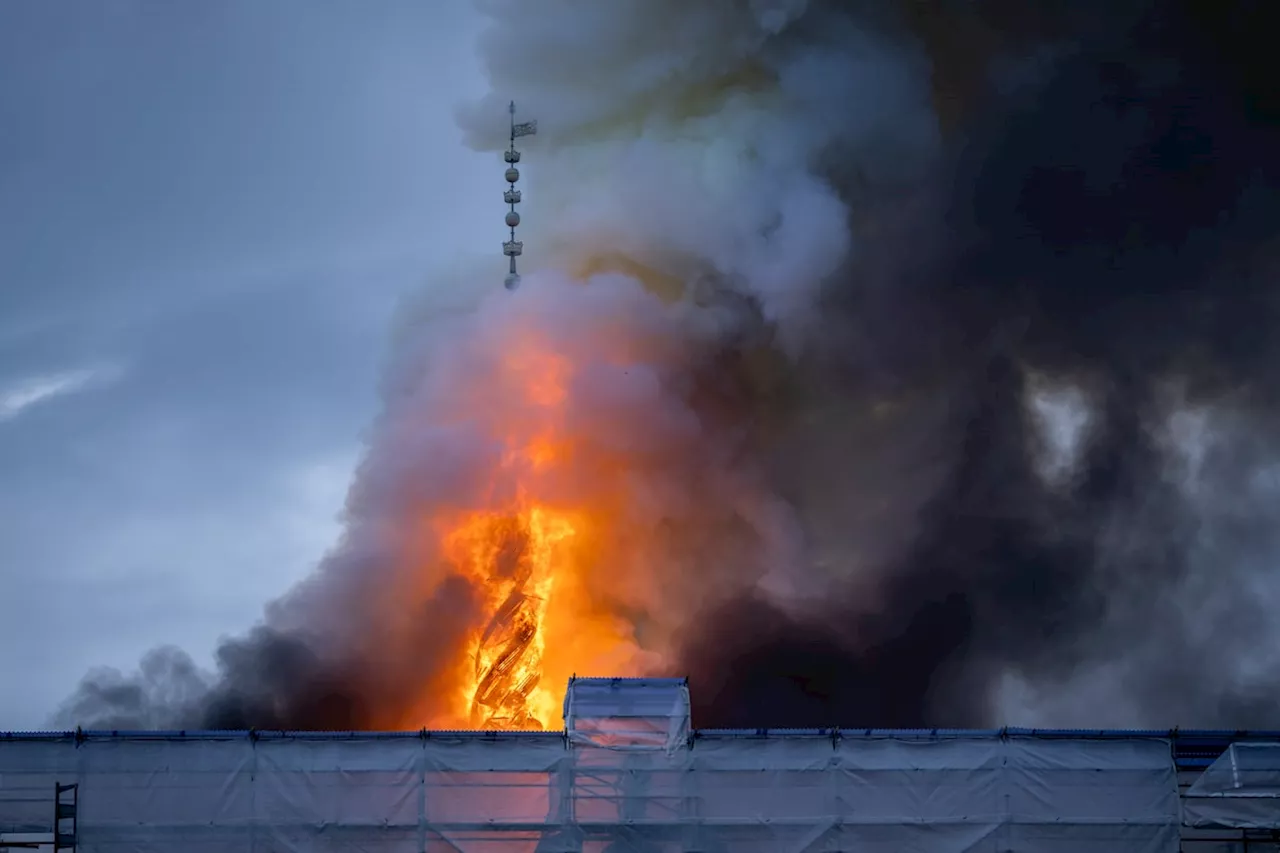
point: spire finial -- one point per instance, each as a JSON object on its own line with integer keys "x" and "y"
{"x": 514, "y": 248}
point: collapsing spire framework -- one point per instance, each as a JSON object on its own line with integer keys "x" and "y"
{"x": 513, "y": 248}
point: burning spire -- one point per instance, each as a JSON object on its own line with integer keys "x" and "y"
{"x": 514, "y": 248}
{"x": 512, "y": 556}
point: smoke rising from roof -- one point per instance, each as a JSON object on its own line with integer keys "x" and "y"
{"x": 925, "y": 349}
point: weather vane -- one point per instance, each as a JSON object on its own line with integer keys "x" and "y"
{"x": 513, "y": 248}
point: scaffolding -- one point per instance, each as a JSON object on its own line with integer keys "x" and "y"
{"x": 628, "y": 775}
{"x": 540, "y": 792}
{"x": 61, "y": 837}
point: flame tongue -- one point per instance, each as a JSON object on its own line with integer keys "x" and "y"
{"x": 508, "y": 667}
{"x": 523, "y": 547}
{"x": 511, "y": 558}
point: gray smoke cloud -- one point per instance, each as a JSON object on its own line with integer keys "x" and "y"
{"x": 913, "y": 364}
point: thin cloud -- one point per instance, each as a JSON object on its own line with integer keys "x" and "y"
{"x": 33, "y": 390}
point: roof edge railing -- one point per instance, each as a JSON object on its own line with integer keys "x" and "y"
{"x": 1210, "y": 737}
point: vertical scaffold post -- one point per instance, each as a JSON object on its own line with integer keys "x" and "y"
{"x": 66, "y": 803}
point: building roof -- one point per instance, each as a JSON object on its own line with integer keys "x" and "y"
{"x": 1193, "y": 749}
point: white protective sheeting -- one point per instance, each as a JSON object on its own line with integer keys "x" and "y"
{"x": 628, "y": 713}
{"x": 505, "y": 793}
{"x": 1239, "y": 790}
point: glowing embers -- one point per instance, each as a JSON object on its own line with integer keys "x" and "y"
{"x": 511, "y": 558}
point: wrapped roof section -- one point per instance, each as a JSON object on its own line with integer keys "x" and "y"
{"x": 1239, "y": 790}
{"x": 628, "y": 713}
{"x": 493, "y": 792}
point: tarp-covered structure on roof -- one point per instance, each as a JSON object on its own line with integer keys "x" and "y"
{"x": 1239, "y": 790}
{"x": 643, "y": 786}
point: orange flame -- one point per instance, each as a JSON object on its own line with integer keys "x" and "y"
{"x": 511, "y": 558}
{"x": 528, "y": 550}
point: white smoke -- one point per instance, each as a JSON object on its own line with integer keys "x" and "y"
{"x": 681, "y": 146}
{"x": 696, "y": 143}
{"x": 693, "y": 137}
{"x": 947, "y": 530}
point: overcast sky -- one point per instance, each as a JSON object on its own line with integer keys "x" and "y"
{"x": 208, "y": 211}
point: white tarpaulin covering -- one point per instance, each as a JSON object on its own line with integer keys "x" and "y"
{"x": 628, "y": 713}
{"x": 505, "y": 793}
{"x": 1239, "y": 790}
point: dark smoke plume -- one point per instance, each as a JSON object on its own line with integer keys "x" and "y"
{"x": 950, "y": 395}
{"x": 1108, "y": 223}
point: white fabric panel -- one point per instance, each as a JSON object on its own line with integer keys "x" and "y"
{"x": 338, "y": 795}
{"x": 491, "y": 793}
{"x": 1094, "y": 781}
{"x": 1239, "y": 790}
{"x": 628, "y": 713}
{"x": 542, "y": 794}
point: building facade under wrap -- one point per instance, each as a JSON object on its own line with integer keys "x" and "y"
{"x": 628, "y": 775}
